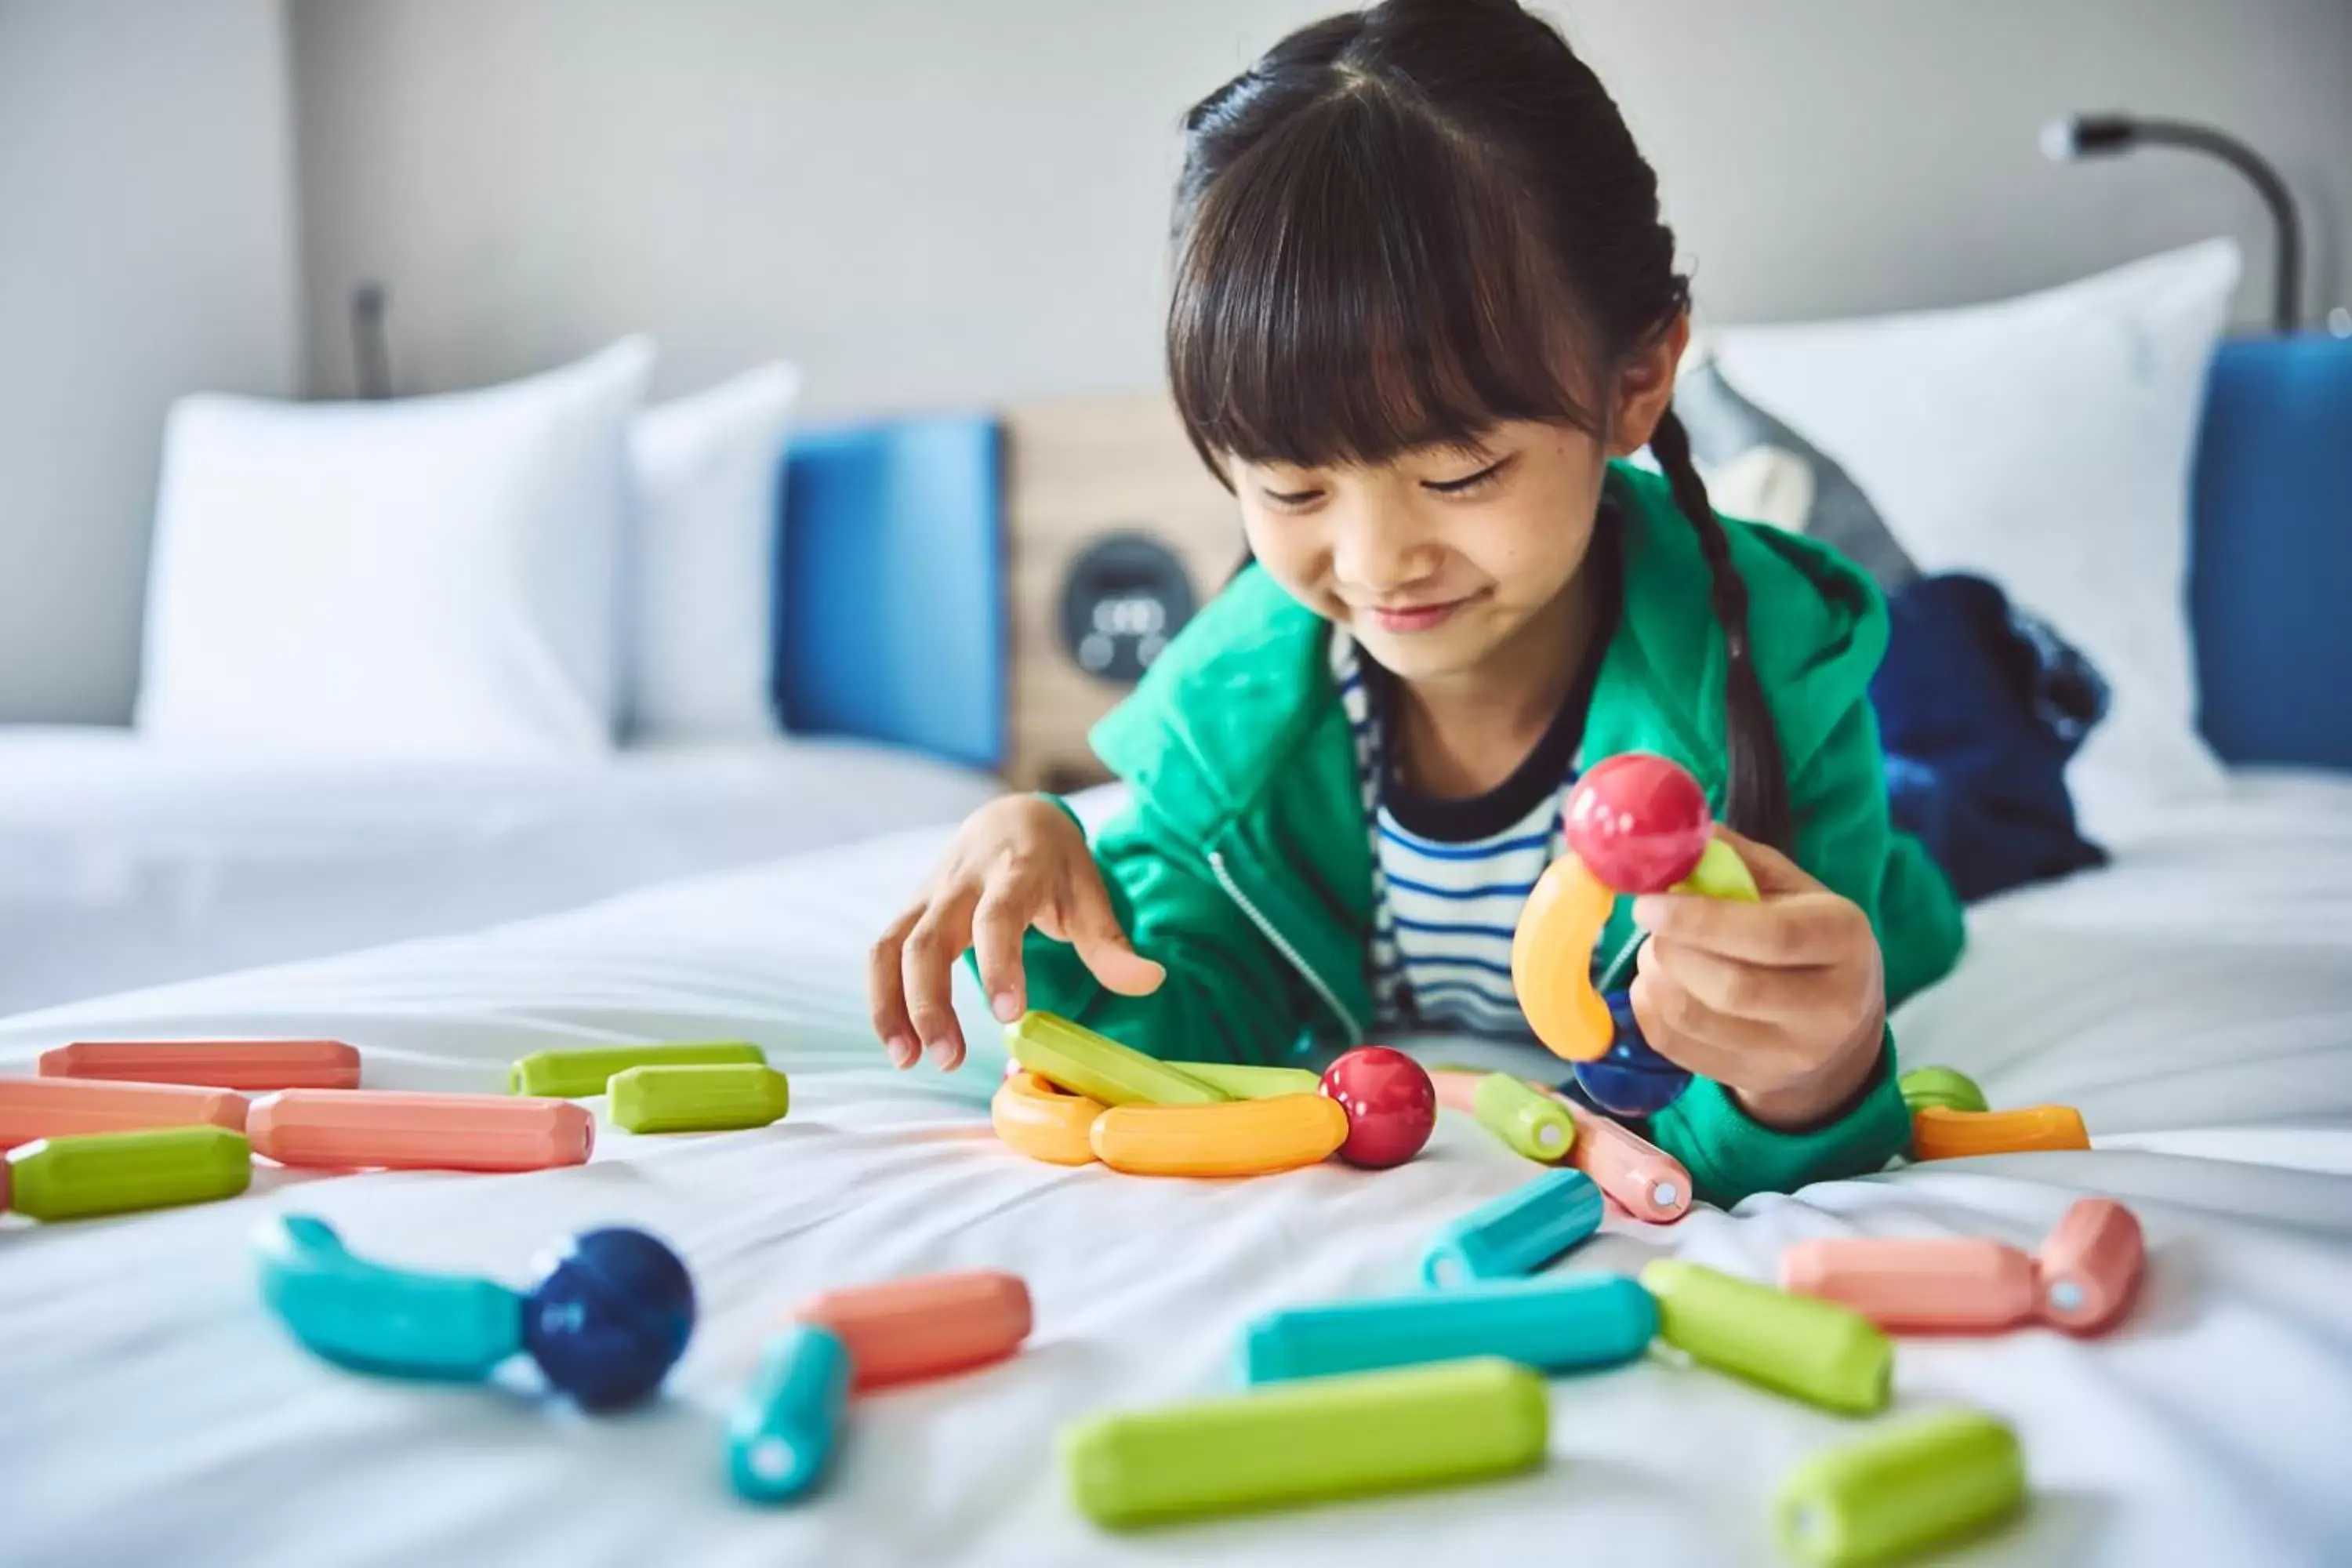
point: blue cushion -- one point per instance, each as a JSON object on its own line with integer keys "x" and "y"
{"x": 890, "y": 596}
{"x": 2269, "y": 572}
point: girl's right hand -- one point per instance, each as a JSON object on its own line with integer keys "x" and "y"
{"x": 1015, "y": 863}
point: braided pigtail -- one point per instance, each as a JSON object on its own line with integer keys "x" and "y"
{"x": 1759, "y": 789}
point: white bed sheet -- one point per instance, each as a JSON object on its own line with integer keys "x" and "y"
{"x": 2195, "y": 1001}
{"x": 124, "y": 864}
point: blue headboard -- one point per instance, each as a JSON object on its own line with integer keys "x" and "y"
{"x": 890, "y": 592}
{"x": 2269, "y": 570}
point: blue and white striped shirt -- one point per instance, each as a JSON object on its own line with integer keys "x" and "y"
{"x": 1454, "y": 908}
{"x": 1449, "y": 878}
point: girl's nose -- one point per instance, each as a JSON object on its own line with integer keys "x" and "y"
{"x": 1379, "y": 551}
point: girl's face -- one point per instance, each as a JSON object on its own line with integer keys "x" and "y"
{"x": 1437, "y": 560}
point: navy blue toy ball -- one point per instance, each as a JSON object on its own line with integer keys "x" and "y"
{"x": 1630, "y": 1079}
{"x": 609, "y": 1316}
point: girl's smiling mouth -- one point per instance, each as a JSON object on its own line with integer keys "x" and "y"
{"x": 1398, "y": 619}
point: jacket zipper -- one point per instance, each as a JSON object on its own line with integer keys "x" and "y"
{"x": 1282, "y": 945}
{"x": 1610, "y": 971}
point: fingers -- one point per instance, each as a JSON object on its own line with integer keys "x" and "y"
{"x": 1792, "y": 1044}
{"x": 886, "y": 992}
{"x": 1743, "y": 990}
{"x": 1775, "y": 1077}
{"x": 1774, "y": 872}
{"x": 1084, "y": 919}
{"x": 998, "y": 924}
{"x": 927, "y": 969}
{"x": 1798, "y": 931}
{"x": 1690, "y": 1034}
{"x": 1016, "y": 863}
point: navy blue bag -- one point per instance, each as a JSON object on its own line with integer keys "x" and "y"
{"x": 1980, "y": 708}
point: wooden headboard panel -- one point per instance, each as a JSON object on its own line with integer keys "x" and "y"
{"x": 1076, "y": 473}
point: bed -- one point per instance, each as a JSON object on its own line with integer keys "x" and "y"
{"x": 124, "y": 864}
{"x": 2194, "y": 1000}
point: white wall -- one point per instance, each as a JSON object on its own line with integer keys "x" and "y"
{"x": 147, "y": 248}
{"x": 956, "y": 201}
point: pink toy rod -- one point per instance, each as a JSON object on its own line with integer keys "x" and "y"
{"x": 354, "y": 1128}
{"x": 2090, "y": 1266}
{"x": 1934, "y": 1285}
{"x": 253, "y": 1066}
{"x": 1650, "y": 1184}
{"x": 1642, "y": 1178}
{"x": 2083, "y": 1279}
{"x": 34, "y": 1108}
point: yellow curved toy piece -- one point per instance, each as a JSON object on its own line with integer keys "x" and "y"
{"x": 1239, "y": 1138}
{"x": 1552, "y": 961}
{"x": 1035, "y": 1118}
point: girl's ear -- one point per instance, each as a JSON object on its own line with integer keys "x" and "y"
{"x": 1645, "y": 388}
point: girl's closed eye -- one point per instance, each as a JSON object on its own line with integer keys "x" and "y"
{"x": 1483, "y": 479}
{"x": 1288, "y": 492}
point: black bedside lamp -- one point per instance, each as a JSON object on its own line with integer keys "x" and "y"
{"x": 2102, "y": 135}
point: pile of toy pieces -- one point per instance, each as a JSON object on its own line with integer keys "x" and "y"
{"x": 611, "y": 1312}
{"x": 1378, "y": 1394}
{"x": 108, "y": 1127}
{"x": 1444, "y": 1384}
{"x": 113, "y": 1126}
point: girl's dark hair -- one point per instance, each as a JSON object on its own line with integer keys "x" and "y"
{"x": 1406, "y": 225}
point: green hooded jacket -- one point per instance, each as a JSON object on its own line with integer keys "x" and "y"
{"x": 1243, "y": 862}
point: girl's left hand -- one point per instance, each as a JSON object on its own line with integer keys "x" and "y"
{"x": 1783, "y": 1002}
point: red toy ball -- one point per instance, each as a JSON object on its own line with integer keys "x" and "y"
{"x": 1639, "y": 823}
{"x": 1392, "y": 1105}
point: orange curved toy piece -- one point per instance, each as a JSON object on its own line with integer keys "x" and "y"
{"x": 1239, "y": 1138}
{"x": 1940, "y": 1134}
{"x": 1035, "y": 1118}
{"x": 1552, "y": 961}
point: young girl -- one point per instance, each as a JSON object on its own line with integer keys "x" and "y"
{"x": 1423, "y": 298}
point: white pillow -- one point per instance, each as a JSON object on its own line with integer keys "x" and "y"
{"x": 435, "y": 576}
{"x": 709, "y": 473}
{"x": 1763, "y": 484}
{"x": 2045, "y": 442}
